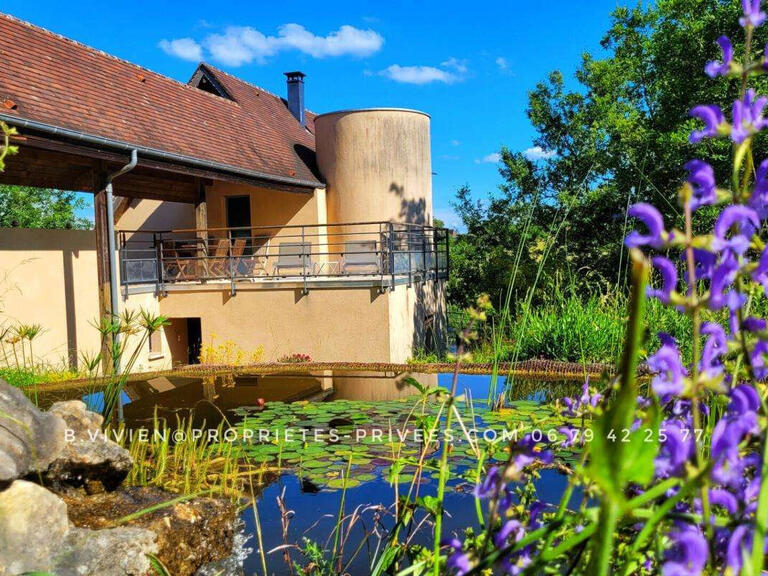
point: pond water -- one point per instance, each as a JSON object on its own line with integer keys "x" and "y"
{"x": 310, "y": 468}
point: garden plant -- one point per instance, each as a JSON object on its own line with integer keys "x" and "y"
{"x": 673, "y": 478}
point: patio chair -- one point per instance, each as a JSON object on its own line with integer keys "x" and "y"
{"x": 219, "y": 264}
{"x": 178, "y": 265}
{"x": 260, "y": 260}
{"x": 293, "y": 255}
{"x": 362, "y": 256}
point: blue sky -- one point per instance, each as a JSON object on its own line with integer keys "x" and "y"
{"x": 468, "y": 65}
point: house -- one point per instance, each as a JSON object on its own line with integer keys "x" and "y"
{"x": 230, "y": 210}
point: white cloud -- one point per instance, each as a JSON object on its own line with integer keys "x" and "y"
{"x": 184, "y": 48}
{"x": 418, "y": 74}
{"x": 239, "y": 45}
{"x": 455, "y": 142}
{"x": 459, "y": 66}
{"x": 489, "y": 158}
{"x": 538, "y": 153}
{"x": 502, "y": 63}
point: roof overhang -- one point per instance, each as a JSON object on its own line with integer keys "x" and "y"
{"x": 58, "y": 157}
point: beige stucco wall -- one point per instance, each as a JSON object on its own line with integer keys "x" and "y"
{"x": 416, "y": 313}
{"x": 349, "y": 324}
{"x": 157, "y": 215}
{"x": 48, "y": 277}
{"x": 377, "y": 165}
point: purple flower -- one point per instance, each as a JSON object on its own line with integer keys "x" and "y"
{"x": 701, "y": 177}
{"x": 668, "y": 368}
{"x": 757, "y": 359}
{"x": 704, "y": 263}
{"x": 753, "y": 16}
{"x": 509, "y": 528}
{"x": 759, "y": 199}
{"x": 714, "y": 348}
{"x": 489, "y": 487}
{"x": 744, "y": 219}
{"x": 458, "y": 561}
{"x": 688, "y": 554}
{"x": 713, "y": 120}
{"x": 715, "y": 68}
{"x": 675, "y": 450}
{"x": 760, "y": 274}
{"x": 721, "y": 497}
{"x": 653, "y": 220}
{"x": 747, "y": 116}
{"x": 528, "y": 454}
{"x": 668, "y": 279}
{"x": 737, "y": 546}
{"x": 722, "y": 277}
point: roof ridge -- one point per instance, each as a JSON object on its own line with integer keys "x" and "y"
{"x": 250, "y": 84}
{"x": 37, "y": 28}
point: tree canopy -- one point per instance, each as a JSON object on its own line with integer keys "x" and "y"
{"x": 27, "y": 207}
{"x": 619, "y": 137}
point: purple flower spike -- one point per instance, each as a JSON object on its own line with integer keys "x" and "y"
{"x": 712, "y": 117}
{"x": 758, "y": 359}
{"x": 704, "y": 263}
{"x": 753, "y": 16}
{"x": 653, "y": 220}
{"x": 701, "y": 177}
{"x": 747, "y": 116}
{"x": 675, "y": 451}
{"x": 668, "y": 279}
{"x": 668, "y": 367}
{"x": 715, "y": 68}
{"x": 744, "y": 219}
{"x": 490, "y": 485}
{"x": 688, "y": 554}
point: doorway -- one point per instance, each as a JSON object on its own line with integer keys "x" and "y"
{"x": 194, "y": 340}
{"x": 238, "y": 210}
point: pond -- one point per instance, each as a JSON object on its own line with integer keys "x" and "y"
{"x": 318, "y": 438}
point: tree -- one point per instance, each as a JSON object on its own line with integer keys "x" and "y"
{"x": 621, "y": 136}
{"x": 40, "y": 208}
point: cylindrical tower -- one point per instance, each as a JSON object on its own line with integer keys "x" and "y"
{"x": 377, "y": 165}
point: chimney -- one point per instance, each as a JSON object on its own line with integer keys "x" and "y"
{"x": 296, "y": 95}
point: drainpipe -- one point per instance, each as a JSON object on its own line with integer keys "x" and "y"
{"x": 113, "y": 264}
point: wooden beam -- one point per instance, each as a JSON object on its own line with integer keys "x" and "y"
{"x": 201, "y": 224}
{"x": 102, "y": 245}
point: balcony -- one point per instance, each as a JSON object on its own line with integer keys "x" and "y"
{"x": 382, "y": 254}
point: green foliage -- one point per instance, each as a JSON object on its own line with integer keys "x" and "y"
{"x": 28, "y": 207}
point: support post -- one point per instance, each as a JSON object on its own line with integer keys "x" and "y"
{"x": 201, "y": 227}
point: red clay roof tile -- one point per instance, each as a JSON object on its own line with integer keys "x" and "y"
{"x": 58, "y": 81}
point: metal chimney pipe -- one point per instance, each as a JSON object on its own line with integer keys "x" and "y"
{"x": 296, "y": 94}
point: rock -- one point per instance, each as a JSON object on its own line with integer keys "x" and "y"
{"x": 191, "y": 534}
{"x": 88, "y": 457}
{"x": 33, "y": 525}
{"x": 109, "y": 552}
{"x": 29, "y": 439}
{"x": 35, "y": 535}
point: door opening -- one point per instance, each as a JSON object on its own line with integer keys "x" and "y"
{"x": 194, "y": 339}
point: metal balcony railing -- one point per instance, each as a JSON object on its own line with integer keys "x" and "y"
{"x": 384, "y": 252}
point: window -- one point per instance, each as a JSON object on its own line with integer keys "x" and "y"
{"x": 155, "y": 345}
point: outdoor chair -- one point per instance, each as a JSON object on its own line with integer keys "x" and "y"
{"x": 178, "y": 265}
{"x": 293, "y": 255}
{"x": 361, "y": 256}
{"x": 219, "y": 264}
{"x": 260, "y": 260}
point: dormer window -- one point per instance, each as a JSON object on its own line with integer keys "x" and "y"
{"x": 204, "y": 80}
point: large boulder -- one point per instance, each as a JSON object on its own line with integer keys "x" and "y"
{"x": 88, "y": 457}
{"x": 29, "y": 439}
{"x": 33, "y": 526}
{"x": 190, "y": 534}
{"x": 109, "y": 552}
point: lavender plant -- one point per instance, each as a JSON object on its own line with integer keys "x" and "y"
{"x": 674, "y": 475}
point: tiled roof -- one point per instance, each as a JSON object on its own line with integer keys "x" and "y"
{"x": 60, "y": 82}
